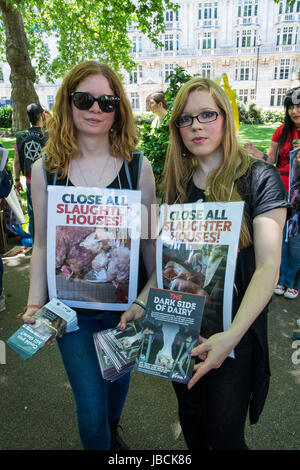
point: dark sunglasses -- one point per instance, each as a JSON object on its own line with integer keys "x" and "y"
{"x": 84, "y": 101}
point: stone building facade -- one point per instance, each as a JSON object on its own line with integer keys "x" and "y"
{"x": 255, "y": 42}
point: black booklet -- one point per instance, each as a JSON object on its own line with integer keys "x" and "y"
{"x": 170, "y": 330}
{"x": 159, "y": 343}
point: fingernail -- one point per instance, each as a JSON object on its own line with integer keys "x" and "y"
{"x": 190, "y": 353}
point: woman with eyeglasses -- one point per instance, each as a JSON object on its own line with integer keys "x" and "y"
{"x": 285, "y": 138}
{"x": 205, "y": 162}
{"x": 92, "y": 133}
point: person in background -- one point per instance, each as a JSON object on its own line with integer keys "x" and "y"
{"x": 283, "y": 141}
{"x": 28, "y": 149}
{"x": 205, "y": 162}
{"x": 156, "y": 104}
{"x": 6, "y": 183}
{"x": 92, "y": 135}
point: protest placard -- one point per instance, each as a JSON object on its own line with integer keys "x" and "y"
{"x": 93, "y": 240}
{"x": 196, "y": 253}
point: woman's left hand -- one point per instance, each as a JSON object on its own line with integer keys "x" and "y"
{"x": 212, "y": 352}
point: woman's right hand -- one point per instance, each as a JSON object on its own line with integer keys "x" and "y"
{"x": 133, "y": 313}
{"x": 28, "y": 315}
{"x": 250, "y": 147}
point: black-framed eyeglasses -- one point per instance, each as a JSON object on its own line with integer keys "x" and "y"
{"x": 203, "y": 117}
{"x": 84, "y": 101}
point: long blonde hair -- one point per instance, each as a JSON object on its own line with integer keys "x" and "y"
{"x": 180, "y": 163}
{"x": 62, "y": 141}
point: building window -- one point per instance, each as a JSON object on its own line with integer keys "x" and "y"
{"x": 243, "y": 96}
{"x": 135, "y": 101}
{"x": 133, "y": 76}
{"x": 247, "y": 8}
{"x": 172, "y": 16}
{"x": 169, "y": 42}
{"x": 286, "y": 36}
{"x": 136, "y": 44}
{"x": 282, "y": 70}
{"x": 206, "y": 70}
{"x": 50, "y": 100}
{"x": 245, "y": 38}
{"x": 206, "y": 41}
{"x": 169, "y": 68}
{"x": 207, "y": 10}
{"x": 277, "y": 96}
{"x": 206, "y": 44}
{"x": 244, "y": 70}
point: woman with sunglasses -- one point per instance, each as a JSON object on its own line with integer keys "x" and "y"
{"x": 205, "y": 162}
{"x": 91, "y": 134}
{"x": 284, "y": 140}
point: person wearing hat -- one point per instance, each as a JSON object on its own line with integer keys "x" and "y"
{"x": 28, "y": 148}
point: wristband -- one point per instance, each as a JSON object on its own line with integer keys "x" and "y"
{"x": 265, "y": 157}
{"x": 140, "y": 303}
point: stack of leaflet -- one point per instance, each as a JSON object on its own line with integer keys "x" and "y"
{"x": 117, "y": 349}
{"x": 54, "y": 318}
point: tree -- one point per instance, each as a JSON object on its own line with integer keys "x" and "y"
{"x": 82, "y": 28}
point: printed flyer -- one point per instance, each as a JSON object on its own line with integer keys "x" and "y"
{"x": 170, "y": 330}
{"x": 196, "y": 253}
{"x": 294, "y": 192}
{"x": 52, "y": 319}
{"x": 93, "y": 241}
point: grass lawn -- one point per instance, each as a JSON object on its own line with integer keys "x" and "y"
{"x": 260, "y": 134}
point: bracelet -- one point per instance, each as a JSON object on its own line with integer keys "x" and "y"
{"x": 33, "y": 306}
{"x": 265, "y": 157}
{"x": 140, "y": 303}
{"x": 17, "y": 180}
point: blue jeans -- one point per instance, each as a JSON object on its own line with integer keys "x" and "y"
{"x": 290, "y": 262}
{"x": 98, "y": 401}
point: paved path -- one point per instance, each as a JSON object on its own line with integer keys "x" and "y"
{"x": 37, "y": 407}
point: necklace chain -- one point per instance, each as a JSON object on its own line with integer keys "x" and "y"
{"x": 101, "y": 175}
{"x": 102, "y": 172}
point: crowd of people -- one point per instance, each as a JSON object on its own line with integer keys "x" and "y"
{"x": 91, "y": 142}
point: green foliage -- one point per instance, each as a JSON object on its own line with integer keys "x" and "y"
{"x": 87, "y": 29}
{"x": 6, "y": 116}
{"x": 274, "y": 115}
{"x": 253, "y": 115}
{"x": 154, "y": 142}
{"x": 143, "y": 118}
{"x": 250, "y": 114}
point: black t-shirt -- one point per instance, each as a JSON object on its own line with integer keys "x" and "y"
{"x": 30, "y": 144}
{"x": 262, "y": 190}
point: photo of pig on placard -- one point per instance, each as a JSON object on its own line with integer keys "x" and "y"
{"x": 198, "y": 269}
{"x": 92, "y": 264}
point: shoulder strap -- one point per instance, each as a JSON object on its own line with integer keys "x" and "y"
{"x": 46, "y": 174}
{"x": 133, "y": 170}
